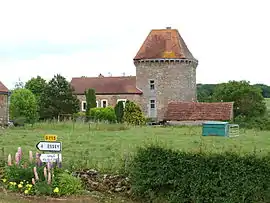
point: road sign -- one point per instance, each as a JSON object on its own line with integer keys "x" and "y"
{"x": 49, "y": 146}
{"x": 51, "y": 157}
{"x": 50, "y": 137}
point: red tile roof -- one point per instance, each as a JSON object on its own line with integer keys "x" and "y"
{"x": 188, "y": 111}
{"x": 3, "y": 88}
{"x": 164, "y": 43}
{"x": 106, "y": 85}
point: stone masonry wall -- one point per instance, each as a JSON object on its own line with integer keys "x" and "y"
{"x": 174, "y": 81}
{"x": 3, "y": 109}
{"x": 112, "y": 99}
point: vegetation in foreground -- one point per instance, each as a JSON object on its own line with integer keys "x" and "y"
{"x": 105, "y": 146}
{"x": 175, "y": 176}
{"x": 113, "y": 148}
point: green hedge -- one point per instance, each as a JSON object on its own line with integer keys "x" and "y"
{"x": 103, "y": 114}
{"x": 172, "y": 176}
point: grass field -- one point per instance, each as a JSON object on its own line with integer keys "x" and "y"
{"x": 104, "y": 147}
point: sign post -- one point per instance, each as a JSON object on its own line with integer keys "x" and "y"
{"x": 50, "y": 145}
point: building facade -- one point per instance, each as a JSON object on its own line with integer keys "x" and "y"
{"x": 4, "y": 110}
{"x": 165, "y": 72}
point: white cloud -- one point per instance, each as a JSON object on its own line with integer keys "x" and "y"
{"x": 229, "y": 38}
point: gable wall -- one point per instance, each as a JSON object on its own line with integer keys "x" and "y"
{"x": 3, "y": 109}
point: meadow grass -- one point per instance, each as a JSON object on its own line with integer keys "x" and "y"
{"x": 106, "y": 146}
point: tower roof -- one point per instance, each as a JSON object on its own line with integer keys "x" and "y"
{"x": 3, "y": 88}
{"x": 164, "y": 44}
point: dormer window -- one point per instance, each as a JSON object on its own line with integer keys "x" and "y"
{"x": 152, "y": 84}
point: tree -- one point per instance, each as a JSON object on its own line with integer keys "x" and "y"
{"x": 90, "y": 95}
{"x": 265, "y": 90}
{"x": 205, "y": 92}
{"x": 23, "y": 104}
{"x": 19, "y": 84}
{"x": 248, "y": 99}
{"x": 58, "y": 98}
{"x": 119, "y": 111}
{"x": 37, "y": 86}
{"x": 133, "y": 114}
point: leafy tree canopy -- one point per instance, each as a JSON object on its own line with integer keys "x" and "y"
{"x": 36, "y": 85}
{"x": 23, "y": 104}
{"x": 248, "y": 99}
{"x": 58, "y": 98}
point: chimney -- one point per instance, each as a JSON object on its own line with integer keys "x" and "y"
{"x": 168, "y": 28}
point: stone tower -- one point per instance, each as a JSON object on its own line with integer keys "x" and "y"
{"x": 165, "y": 72}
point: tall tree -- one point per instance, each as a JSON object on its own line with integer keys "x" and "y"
{"x": 58, "y": 98}
{"x": 248, "y": 99}
{"x": 37, "y": 86}
{"x": 23, "y": 104}
{"x": 265, "y": 90}
{"x": 119, "y": 111}
{"x": 90, "y": 95}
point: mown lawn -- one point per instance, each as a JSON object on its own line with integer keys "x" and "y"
{"x": 104, "y": 147}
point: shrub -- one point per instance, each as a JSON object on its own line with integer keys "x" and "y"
{"x": 90, "y": 95}
{"x": 23, "y": 103}
{"x": 68, "y": 184}
{"x": 103, "y": 114}
{"x": 260, "y": 123}
{"x": 119, "y": 111}
{"x": 133, "y": 114}
{"x": 164, "y": 174}
{"x": 34, "y": 178}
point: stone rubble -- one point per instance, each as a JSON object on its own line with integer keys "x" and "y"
{"x": 96, "y": 181}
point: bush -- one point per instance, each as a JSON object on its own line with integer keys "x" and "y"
{"x": 68, "y": 184}
{"x": 133, "y": 114}
{"x": 260, "y": 123}
{"x": 23, "y": 103}
{"x": 103, "y": 114}
{"x": 162, "y": 174}
{"x": 119, "y": 111}
{"x": 34, "y": 178}
{"x": 90, "y": 96}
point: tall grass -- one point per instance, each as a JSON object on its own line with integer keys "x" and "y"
{"x": 107, "y": 147}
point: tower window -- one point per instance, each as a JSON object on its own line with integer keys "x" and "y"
{"x": 152, "y": 84}
{"x": 152, "y": 104}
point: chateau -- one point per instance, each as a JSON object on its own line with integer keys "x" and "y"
{"x": 165, "y": 82}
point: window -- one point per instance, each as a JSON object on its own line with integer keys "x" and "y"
{"x": 123, "y": 100}
{"x": 83, "y": 105}
{"x": 104, "y": 103}
{"x": 97, "y": 103}
{"x": 152, "y": 84}
{"x": 152, "y": 104}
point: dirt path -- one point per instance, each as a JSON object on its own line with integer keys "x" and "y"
{"x": 15, "y": 198}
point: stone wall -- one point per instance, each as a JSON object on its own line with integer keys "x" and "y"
{"x": 3, "y": 109}
{"x": 112, "y": 99}
{"x": 175, "y": 80}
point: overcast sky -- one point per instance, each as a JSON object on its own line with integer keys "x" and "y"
{"x": 230, "y": 38}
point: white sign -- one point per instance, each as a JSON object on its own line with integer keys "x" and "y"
{"x": 49, "y": 146}
{"x": 51, "y": 157}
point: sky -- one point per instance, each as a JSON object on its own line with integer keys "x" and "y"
{"x": 230, "y": 38}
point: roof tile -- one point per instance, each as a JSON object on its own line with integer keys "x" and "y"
{"x": 3, "y": 88}
{"x": 164, "y": 43}
{"x": 186, "y": 111}
{"x": 106, "y": 85}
